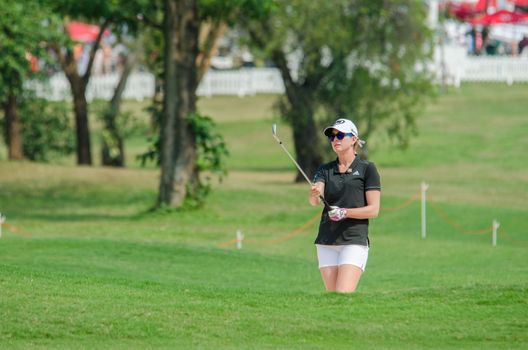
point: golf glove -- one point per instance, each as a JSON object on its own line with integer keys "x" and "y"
{"x": 337, "y": 214}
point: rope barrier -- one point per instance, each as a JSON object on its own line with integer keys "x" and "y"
{"x": 493, "y": 229}
{"x": 422, "y": 193}
{"x": 426, "y": 196}
{"x": 513, "y": 240}
{"x": 290, "y": 235}
{"x": 295, "y": 232}
{"x": 16, "y": 230}
{"x": 410, "y": 201}
{"x": 455, "y": 225}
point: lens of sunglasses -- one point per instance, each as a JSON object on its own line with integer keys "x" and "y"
{"x": 339, "y": 136}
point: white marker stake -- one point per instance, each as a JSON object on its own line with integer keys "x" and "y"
{"x": 2, "y": 220}
{"x": 239, "y": 238}
{"x": 424, "y": 188}
{"x": 495, "y": 225}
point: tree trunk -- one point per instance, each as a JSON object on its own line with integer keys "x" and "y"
{"x": 13, "y": 128}
{"x": 300, "y": 112}
{"x": 78, "y": 85}
{"x": 208, "y": 40}
{"x": 178, "y": 151}
{"x": 306, "y": 141}
{"x": 113, "y": 153}
{"x": 80, "y": 107}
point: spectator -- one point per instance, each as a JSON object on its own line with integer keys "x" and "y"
{"x": 522, "y": 44}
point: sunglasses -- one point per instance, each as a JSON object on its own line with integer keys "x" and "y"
{"x": 340, "y": 135}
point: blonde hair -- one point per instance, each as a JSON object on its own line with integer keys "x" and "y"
{"x": 359, "y": 143}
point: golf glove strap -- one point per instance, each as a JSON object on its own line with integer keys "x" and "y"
{"x": 337, "y": 214}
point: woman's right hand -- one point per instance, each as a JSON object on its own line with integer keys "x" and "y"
{"x": 314, "y": 192}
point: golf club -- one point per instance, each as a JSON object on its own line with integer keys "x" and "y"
{"x": 274, "y": 132}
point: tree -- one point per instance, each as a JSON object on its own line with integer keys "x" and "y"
{"x": 294, "y": 38}
{"x": 353, "y": 59}
{"x": 78, "y": 82}
{"x": 21, "y": 31}
{"x": 118, "y": 15}
{"x": 382, "y": 82}
{"x": 191, "y": 30}
{"x": 178, "y": 149}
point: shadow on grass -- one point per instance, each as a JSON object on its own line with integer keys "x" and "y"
{"x": 83, "y": 205}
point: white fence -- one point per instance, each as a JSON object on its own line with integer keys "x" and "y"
{"x": 459, "y": 67}
{"x": 506, "y": 69}
{"x": 140, "y": 85}
{"x": 250, "y": 81}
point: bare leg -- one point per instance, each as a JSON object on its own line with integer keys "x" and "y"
{"x": 329, "y": 275}
{"x": 347, "y": 278}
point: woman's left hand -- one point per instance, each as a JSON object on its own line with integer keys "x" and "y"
{"x": 337, "y": 214}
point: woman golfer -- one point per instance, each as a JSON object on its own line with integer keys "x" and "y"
{"x": 352, "y": 186}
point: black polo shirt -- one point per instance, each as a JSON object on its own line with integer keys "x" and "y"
{"x": 346, "y": 190}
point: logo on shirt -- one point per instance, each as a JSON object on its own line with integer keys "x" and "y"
{"x": 355, "y": 173}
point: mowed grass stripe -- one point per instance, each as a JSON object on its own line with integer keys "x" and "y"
{"x": 168, "y": 301}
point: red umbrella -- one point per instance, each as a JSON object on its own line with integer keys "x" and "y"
{"x": 500, "y": 17}
{"x": 84, "y": 32}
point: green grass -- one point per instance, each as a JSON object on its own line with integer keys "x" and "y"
{"x": 92, "y": 267}
{"x": 100, "y": 293}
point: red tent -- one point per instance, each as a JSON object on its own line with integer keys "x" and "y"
{"x": 520, "y": 3}
{"x": 84, "y": 32}
{"x": 467, "y": 9}
{"x": 500, "y": 17}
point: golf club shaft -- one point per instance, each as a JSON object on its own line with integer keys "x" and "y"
{"x": 298, "y": 167}
{"x": 296, "y": 164}
{"x": 302, "y": 172}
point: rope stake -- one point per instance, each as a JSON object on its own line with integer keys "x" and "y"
{"x": 495, "y": 225}
{"x": 423, "y": 189}
{"x": 2, "y": 220}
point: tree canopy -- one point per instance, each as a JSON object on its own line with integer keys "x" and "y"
{"x": 362, "y": 59}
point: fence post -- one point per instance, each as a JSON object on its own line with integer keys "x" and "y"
{"x": 495, "y": 225}
{"x": 239, "y": 238}
{"x": 424, "y": 188}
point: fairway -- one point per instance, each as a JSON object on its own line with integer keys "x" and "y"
{"x": 85, "y": 263}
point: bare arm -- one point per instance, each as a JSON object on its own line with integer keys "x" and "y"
{"x": 371, "y": 210}
{"x": 316, "y": 191}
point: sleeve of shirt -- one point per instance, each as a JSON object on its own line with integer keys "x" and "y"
{"x": 372, "y": 178}
{"x": 320, "y": 175}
